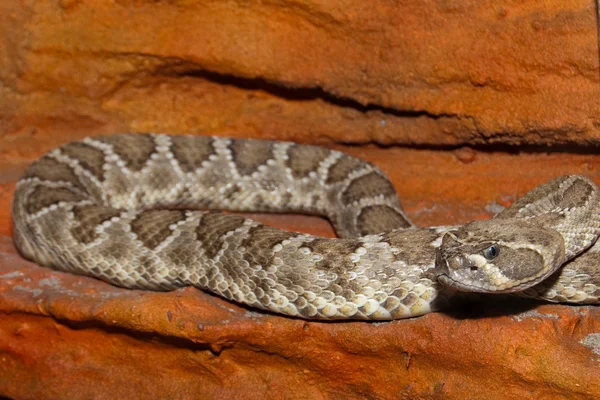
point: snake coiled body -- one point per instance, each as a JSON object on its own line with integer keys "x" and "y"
{"x": 127, "y": 209}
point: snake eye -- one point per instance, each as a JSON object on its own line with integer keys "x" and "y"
{"x": 491, "y": 252}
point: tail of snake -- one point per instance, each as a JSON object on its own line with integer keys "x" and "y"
{"x": 126, "y": 209}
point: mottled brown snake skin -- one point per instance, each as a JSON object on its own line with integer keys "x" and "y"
{"x": 126, "y": 209}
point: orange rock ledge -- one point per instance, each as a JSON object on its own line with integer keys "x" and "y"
{"x": 389, "y": 72}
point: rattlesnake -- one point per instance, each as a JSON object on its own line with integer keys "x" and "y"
{"x": 126, "y": 209}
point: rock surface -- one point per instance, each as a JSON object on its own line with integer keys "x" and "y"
{"x": 392, "y": 72}
{"x": 434, "y": 74}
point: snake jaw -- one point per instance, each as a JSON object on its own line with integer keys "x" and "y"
{"x": 460, "y": 286}
{"x": 459, "y": 283}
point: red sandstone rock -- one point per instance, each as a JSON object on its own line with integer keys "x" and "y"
{"x": 391, "y": 72}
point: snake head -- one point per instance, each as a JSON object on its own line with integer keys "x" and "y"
{"x": 498, "y": 256}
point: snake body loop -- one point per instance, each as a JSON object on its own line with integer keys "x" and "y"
{"x": 126, "y": 209}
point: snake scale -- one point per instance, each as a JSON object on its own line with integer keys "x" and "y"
{"x": 137, "y": 210}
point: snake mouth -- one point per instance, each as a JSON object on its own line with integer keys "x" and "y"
{"x": 446, "y": 280}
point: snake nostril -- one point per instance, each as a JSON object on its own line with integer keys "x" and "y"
{"x": 473, "y": 268}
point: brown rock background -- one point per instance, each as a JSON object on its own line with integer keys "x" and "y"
{"x": 455, "y": 100}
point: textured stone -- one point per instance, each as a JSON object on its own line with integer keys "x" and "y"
{"x": 430, "y": 72}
